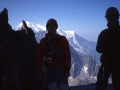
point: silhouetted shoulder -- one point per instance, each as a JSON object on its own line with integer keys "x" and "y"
{"x": 42, "y": 40}
{"x": 63, "y": 38}
{"x": 101, "y": 40}
{"x": 103, "y": 32}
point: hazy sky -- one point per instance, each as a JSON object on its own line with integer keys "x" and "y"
{"x": 85, "y": 17}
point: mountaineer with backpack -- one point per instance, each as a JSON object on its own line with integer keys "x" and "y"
{"x": 54, "y": 59}
{"x": 109, "y": 45}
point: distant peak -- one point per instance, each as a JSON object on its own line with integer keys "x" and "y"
{"x": 31, "y": 25}
{"x": 70, "y": 32}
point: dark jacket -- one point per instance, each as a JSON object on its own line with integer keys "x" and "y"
{"x": 109, "y": 43}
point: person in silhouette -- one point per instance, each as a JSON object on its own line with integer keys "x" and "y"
{"x": 109, "y": 45}
{"x": 54, "y": 57}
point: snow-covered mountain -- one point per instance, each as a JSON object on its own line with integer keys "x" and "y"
{"x": 85, "y": 59}
{"x": 80, "y": 44}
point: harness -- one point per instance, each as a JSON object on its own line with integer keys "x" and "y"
{"x": 47, "y": 59}
{"x": 49, "y": 56}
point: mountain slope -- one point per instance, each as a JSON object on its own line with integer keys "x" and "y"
{"x": 84, "y": 63}
{"x": 80, "y": 44}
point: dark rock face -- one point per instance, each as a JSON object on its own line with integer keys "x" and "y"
{"x": 29, "y": 52}
{"x": 18, "y": 52}
{"x": 18, "y": 62}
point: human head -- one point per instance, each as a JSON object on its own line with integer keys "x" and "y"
{"x": 112, "y": 14}
{"x": 51, "y": 26}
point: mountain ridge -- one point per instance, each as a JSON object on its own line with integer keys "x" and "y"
{"x": 84, "y": 58}
{"x": 80, "y": 44}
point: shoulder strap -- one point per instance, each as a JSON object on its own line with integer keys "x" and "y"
{"x": 54, "y": 51}
{"x": 57, "y": 40}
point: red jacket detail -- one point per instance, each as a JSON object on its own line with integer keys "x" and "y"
{"x": 62, "y": 44}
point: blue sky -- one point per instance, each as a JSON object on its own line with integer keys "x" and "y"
{"x": 85, "y": 17}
